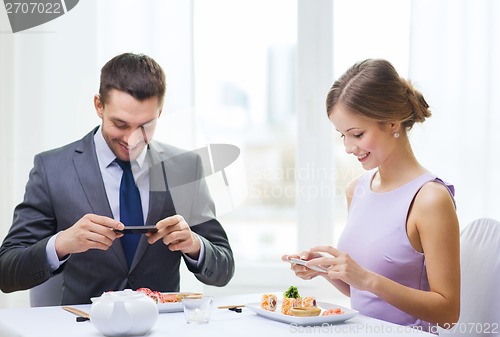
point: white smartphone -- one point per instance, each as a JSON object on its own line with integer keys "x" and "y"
{"x": 303, "y": 263}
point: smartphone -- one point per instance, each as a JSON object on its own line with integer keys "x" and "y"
{"x": 303, "y": 263}
{"x": 137, "y": 230}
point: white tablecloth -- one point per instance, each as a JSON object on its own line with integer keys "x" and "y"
{"x": 56, "y": 322}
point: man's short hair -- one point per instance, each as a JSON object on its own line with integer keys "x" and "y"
{"x": 136, "y": 74}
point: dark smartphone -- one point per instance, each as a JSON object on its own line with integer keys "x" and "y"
{"x": 137, "y": 230}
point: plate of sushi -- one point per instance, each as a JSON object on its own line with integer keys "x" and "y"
{"x": 293, "y": 308}
{"x": 167, "y": 302}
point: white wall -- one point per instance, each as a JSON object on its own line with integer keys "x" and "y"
{"x": 454, "y": 49}
{"x": 50, "y": 73}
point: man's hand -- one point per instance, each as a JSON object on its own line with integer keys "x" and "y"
{"x": 176, "y": 234}
{"x": 90, "y": 232}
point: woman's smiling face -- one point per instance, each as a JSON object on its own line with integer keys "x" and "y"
{"x": 370, "y": 141}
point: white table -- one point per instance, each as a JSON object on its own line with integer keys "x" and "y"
{"x": 56, "y": 322}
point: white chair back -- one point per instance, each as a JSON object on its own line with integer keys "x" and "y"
{"x": 48, "y": 293}
{"x": 480, "y": 276}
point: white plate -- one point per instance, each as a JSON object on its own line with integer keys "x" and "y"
{"x": 314, "y": 320}
{"x": 170, "y": 307}
{"x": 173, "y": 306}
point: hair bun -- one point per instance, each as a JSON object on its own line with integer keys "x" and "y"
{"x": 373, "y": 89}
{"x": 418, "y": 105}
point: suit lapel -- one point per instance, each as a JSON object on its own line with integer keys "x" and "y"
{"x": 87, "y": 169}
{"x": 89, "y": 174}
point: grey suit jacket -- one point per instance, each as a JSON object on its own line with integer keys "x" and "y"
{"x": 66, "y": 183}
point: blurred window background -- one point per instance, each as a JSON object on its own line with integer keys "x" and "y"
{"x": 246, "y": 90}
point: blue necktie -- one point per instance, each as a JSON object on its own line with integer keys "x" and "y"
{"x": 130, "y": 209}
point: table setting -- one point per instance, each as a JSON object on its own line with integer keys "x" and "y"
{"x": 134, "y": 313}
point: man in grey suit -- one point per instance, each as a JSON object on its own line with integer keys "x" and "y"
{"x": 69, "y": 221}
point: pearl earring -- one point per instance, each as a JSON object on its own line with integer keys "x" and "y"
{"x": 395, "y": 134}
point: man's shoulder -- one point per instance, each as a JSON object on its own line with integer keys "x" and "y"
{"x": 163, "y": 147}
{"x": 68, "y": 149}
{"x": 170, "y": 152}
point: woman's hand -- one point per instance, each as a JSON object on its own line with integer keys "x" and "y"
{"x": 341, "y": 267}
{"x": 302, "y": 271}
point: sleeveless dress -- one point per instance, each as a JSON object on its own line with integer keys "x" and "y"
{"x": 375, "y": 237}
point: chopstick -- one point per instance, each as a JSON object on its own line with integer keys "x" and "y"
{"x": 82, "y": 315}
{"x": 231, "y": 306}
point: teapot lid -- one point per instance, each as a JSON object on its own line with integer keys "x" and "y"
{"x": 127, "y": 294}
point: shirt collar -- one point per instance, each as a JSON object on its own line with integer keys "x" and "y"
{"x": 106, "y": 156}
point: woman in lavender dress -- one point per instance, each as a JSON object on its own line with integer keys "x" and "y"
{"x": 398, "y": 257}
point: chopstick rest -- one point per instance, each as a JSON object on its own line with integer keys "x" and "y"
{"x": 235, "y": 308}
{"x": 82, "y": 319}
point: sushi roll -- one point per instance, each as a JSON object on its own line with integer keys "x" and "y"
{"x": 287, "y": 305}
{"x": 298, "y": 302}
{"x": 291, "y": 299}
{"x": 269, "y": 302}
{"x": 156, "y": 296}
{"x": 309, "y": 302}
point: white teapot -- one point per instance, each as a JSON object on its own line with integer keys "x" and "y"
{"x": 123, "y": 313}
